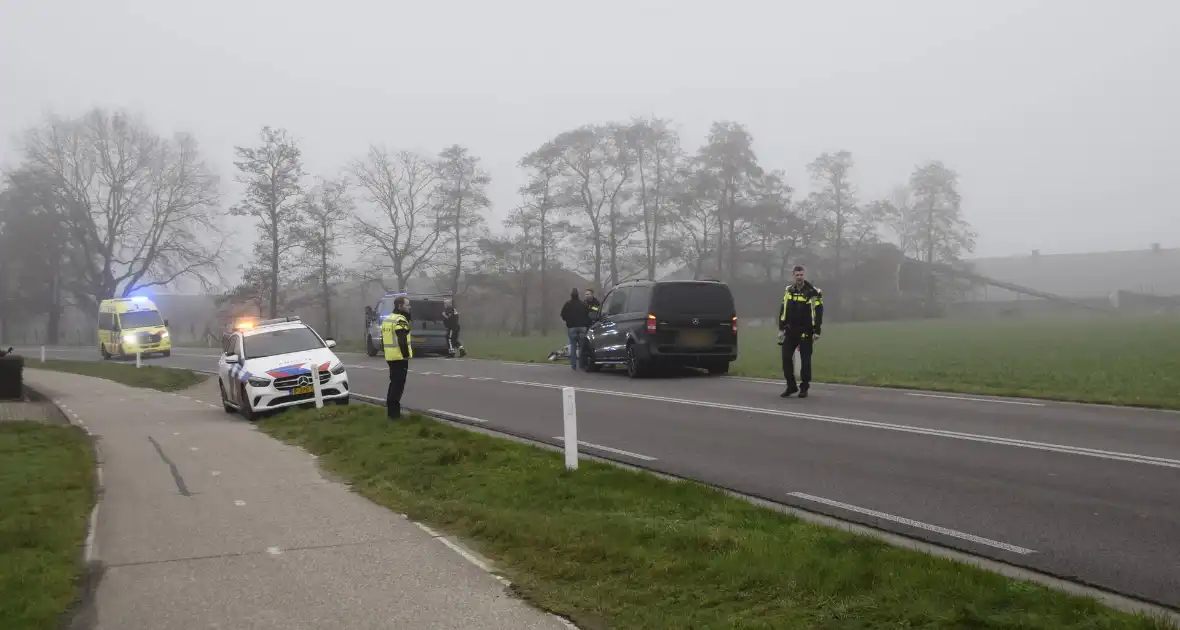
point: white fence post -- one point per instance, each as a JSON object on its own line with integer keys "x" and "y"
{"x": 315, "y": 384}
{"x": 570, "y": 414}
{"x": 43, "y": 354}
{"x": 138, "y": 359}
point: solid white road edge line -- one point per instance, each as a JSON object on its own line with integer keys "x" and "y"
{"x": 984, "y": 400}
{"x": 456, "y": 415}
{"x": 972, "y": 437}
{"x": 608, "y": 449}
{"x": 912, "y": 523}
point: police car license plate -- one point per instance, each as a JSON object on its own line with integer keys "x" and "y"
{"x": 306, "y": 389}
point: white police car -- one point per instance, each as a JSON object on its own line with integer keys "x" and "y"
{"x": 266, "y": 365}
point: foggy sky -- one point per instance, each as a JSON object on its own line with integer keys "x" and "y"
{"x": 1060, "y": 117}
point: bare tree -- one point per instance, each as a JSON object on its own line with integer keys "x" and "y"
{"x": 139, "y": 210}
{"x": 695, "y": 221}
{"x": 942, "y": 231}
{"x": 327, "y": 207}
{"x": 837, "y": 198}
{"x": 272, "y": 173}
{"x": 659, "y": 158}
{"x": 404, "y": 228}
{"x": 33, "y": 246}
{"x": 593, "y": 176}
{"x": 462, "y": 199}
{"x": 544, "y": 168}
{"x": 514, "y": 256}
{"x": 727, "y": 169}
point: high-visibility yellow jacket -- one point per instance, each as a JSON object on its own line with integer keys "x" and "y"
{"x": 802, "y": 309}
{"x": 395, "y": 336}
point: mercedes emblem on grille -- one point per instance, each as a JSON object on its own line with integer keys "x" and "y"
{"x": 696, "y": 320}
{"x": 304, "y": 380}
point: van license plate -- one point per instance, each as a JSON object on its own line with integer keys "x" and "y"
{"x": 696, "y": 338}
{"x": 418, "y": 339}
{"x": 306, "y": 389}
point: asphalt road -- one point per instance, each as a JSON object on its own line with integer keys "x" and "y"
{"x": 1083, "y": 492}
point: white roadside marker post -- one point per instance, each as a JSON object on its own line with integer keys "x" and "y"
{"x": 138, "y": 359}
{"x": 570, "y": 414}
{"x": 43, "y": 354}
{"x": 315, "y": 385}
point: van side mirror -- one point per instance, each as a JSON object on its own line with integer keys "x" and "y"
{"x": 165, "y": 323}
{"x": 232, "y": 358}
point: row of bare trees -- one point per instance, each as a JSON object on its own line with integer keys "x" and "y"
{"x": 102, "y": 206}
{"x": 622, "y": 200}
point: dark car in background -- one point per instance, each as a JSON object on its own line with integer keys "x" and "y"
{"x": 646, "y": 324}
{"x": 428, "y": 335}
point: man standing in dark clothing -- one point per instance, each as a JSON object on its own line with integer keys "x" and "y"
{"x": 592, "y": 302}
{"x": 800, "y": 318}
{"x": 395, "y": 336}
{"x": 451, "y": 321}
{"x": 576, "y": 315}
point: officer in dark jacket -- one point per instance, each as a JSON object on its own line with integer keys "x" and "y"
{"x": 451, "y": 321}
{"x": 800, "y": 318}
{"x": 591, "y": 301}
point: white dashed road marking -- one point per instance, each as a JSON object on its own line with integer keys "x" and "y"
{"x": 971, "y": 399}
{"x": 609, "y": 449}
{"x": 239, "y": 502}
{"x": 912, "y": 523}
{"x": 456, "y": 415}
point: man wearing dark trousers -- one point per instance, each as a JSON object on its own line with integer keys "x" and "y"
{"x": 800, "y": 318}
{"x": 451, "y": 321}
{"x": 395, "y": 336}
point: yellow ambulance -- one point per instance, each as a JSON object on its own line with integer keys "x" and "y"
{"x": 130, "y": 325}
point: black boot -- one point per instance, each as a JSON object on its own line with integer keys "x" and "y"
{"x": 791, "y": 389}
{"x": 803, "y": 392}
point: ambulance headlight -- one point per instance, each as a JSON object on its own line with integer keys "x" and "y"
{"x": 128, "y": 338}
{"x": 164, "y": 335}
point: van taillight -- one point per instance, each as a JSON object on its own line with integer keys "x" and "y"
{"x": 651, "y": 323}
{"x": 734, "y": 327}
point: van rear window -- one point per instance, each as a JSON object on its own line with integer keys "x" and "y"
{"x": 710, "y": 298}
{"x": 427, "y": 310}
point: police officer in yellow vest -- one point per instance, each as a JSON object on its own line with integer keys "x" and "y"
{"x": 395, "y": 337}
{"x": 799, "y": 321}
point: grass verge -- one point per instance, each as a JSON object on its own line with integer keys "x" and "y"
{"x": 150, "y": 376}
{"x": 613, "y": 548}
{"x": 1115, "y": 360}
{"x": 46, "y": 493}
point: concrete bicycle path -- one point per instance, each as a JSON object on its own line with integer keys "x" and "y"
{"x": 206, "y": 522}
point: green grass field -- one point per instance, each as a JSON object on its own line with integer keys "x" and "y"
{"x": 1105, "y": 360}
{"x": 46, "y": 492}
{"x": 150, "y": 376}
{"x": 614, "y": 548}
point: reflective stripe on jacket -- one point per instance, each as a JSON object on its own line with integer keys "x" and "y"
{"x": 390, "y": 326}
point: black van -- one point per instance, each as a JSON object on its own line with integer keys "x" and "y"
{"x": 647, "y": 323}
{"x": 428, "y": 334}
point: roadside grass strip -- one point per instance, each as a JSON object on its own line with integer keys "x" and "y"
{"x": 1128, "y": 360}
{"x": 613, "y": 548}
{"x": 46, "y": 494}
{"x": 149, "y": 376}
